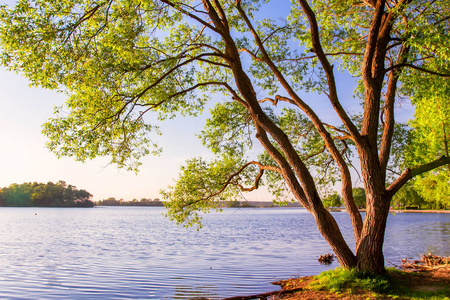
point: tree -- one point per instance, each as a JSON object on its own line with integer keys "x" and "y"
{"x": 359, "y": 196}
{"x": 407, "y": 196}
{"x": 111, "y": 201}
{"x": 39, "y": 194}
{"x": 49, "y": 194}
{"x": 18, "y": 194}
{"x": 332, "y": 200}
{"x": 120, "y": 61}
{"x": 430, "y": 137}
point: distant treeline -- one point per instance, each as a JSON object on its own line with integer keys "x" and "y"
{"x": 143, "y": 202}
{"x": 48, "y": 195}
{"x": 156, "y": 202}
{"x": 257, "y": 204}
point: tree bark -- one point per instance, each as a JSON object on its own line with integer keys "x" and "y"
{"x": 369, "y": 235}
{"x": 369, "y": 254}
{"x": 369, "y": 249}
{"x": 332, "y": 234}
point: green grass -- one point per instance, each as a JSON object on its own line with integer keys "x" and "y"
{"x": 350, "y": 280}
{"x": 395, "y": 284}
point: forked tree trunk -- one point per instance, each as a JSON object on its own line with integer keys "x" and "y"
{"x": 369, "y": 248}
{"x": 369, "y": 256}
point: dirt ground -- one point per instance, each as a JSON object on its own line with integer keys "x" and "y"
{"x": 430, "y": 280}
{"x": 298, "y": 288}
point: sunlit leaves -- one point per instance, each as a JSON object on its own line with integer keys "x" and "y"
{"x": 431, "y": 135}
{"x": 116, "y": 60}
{"x": 310, "y": 145}
{"x": 427, "y": 28}
{"x": 332, "y": 200}
{"x": 229, "y": 129}
{"x": 430, "y": 138}
{"x": 125, "y": 65}
{"x": 434, "y": 188}
{"x": 201, "y": 185}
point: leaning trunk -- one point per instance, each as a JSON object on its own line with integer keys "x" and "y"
{"x": 330, "y": 231}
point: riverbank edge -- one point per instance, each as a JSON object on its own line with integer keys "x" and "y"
{"x": 406, "y": 283}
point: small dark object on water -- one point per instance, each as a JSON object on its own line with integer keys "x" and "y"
{"x": 326, "y": 259}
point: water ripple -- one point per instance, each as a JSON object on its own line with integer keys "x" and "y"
{"x": 136, "y": 253}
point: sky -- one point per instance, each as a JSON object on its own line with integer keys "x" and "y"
{"x": 24, "y": 157}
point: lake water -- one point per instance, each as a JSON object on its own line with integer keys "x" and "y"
{"x": 137, "y": 253}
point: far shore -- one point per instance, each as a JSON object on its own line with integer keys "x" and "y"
{"x": 421, "y": 211}
{"x": 399, "y": 211}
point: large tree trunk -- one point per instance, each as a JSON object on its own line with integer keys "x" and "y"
{"x": 369, "y": 248}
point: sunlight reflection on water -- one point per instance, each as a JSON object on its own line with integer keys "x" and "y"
{"x": 135, "y": 252}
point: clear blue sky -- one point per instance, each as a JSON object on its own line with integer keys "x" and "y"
{"x": 24, "y": 158}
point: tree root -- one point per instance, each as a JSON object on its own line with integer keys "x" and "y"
{"x": 265, "y": 296}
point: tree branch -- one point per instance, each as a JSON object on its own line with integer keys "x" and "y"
{"x": 170, "y": 71}
{"x": 232, "y": 176}
{"x": 318, "y": 50}
{"x": 389, "y": 123}
{"x": 326, "y": 54}
{"x": 410, "y": 173}
{"x": 338, "y": 130}
{"x": 285, "y": 169}
{"x": 255, "y": 185}
{"x": 416, "y": 68}
{"x": 195, "y": 87}
{"x": 222, "y": 14}
{"x": 315, "y": 154}
{"x": 253, "y": 55}
{"x": 198, "y": 19}
{"x": 277, "y": 99}
{"x": 347, "y": 196}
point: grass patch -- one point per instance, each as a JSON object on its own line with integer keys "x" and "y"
{"x": 394, "y": 285}
{"x": 352, "y": 281}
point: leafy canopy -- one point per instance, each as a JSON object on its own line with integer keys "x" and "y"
{"x": 127, "y": 64}
{"x": 430, "y": 138}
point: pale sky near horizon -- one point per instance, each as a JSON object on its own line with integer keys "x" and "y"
{"x": 24, "y": 158}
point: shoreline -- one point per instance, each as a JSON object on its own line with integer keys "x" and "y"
{"x": 426, "y": 211}
{"x": 428, "y": 282}
{"x": 400, "y": 211}
{"x": 420, "y": 211}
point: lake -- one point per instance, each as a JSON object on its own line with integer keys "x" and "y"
{"x": 137, "y": 253}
